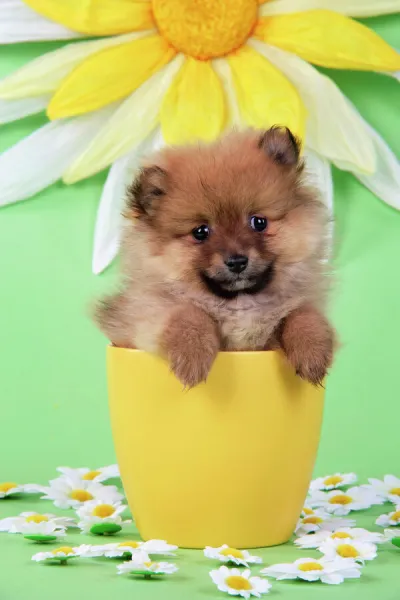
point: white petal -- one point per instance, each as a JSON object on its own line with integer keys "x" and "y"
{"x": 43, "y": 74}
{"x": 319, "y": 174}
{"x": 334, "y": 128}
{"x": 353, "y": 8}
{"x": 40, "y": 159}
{"x": 11, "y": 110}
{"x": 385, "y": 181}
{"x": 130, "y": 125}
{"x": 109, "y": 219}
{"x": 20, "y": 23}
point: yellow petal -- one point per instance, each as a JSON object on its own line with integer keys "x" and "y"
{"x": 342, "y": 137}
{"x": 44, "y": 74}
{"x": 97, "y": 17}
{"x": 264, "y": 95}
{"x": 326, "y": 38}
{"x": 130, "y": 124}
{"x": 194, "y": 106}
{"x": 109, "y": 75}
{"x": 353, "y": 8}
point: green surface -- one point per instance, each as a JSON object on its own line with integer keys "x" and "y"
{"x": 53, "y": 385}
{"x": 97, "y": 578}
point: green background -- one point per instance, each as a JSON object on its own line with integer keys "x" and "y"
{"x": 52, "y": 376}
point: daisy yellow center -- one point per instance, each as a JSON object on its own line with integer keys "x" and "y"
{"x": 7, "y": 486}
{"x": 81, "y": 495}
{"x": 395, "y": 516}
{"x": 347, "y": 551}
{"x": 232, "y": 552}
{"x": 334, "y": 480}
{"x": 103, "y": 510}
{"x": 236, "y": 582}
{"x": 36, "y": 519}
{"x": 395, "y": 491}
{"x": 148, "y": 564}
{"x": 310, "y": 566}
{"x": 205, "y": 29}
{"x": 308, "y": 511}
{"x": 341, "y": 499}
{"x": 65, "y": 549}
{"x": 341, "y": 535}
{"x": 90, "y": 475}
{"x": 129, "y": 545}
{"x": 312, "y": 520}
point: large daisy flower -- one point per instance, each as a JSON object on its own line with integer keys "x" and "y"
{"x": 174, "y": 71}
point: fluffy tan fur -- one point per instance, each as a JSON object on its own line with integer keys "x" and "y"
{"x": 178, "y": 297}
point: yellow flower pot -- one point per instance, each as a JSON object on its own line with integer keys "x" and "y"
{"x": 229, "y": 461}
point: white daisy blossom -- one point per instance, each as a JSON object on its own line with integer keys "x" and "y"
{"x": 348, "y": 549}
{"x": 359, "y": 534}
{"x": 97, "y": 475}
{"x": 392, "y": 519}
{"x": 151, "y": 547}
{"x": 9, "y": 488}
{"x": 320, "y": 520}
{"x": 13, "y": 524}
{"x": 96, "y": 511}
{"x": 389, "y": 534}
{"x": 340, "y": 503}
{"x": 69, "y": 491}
{"x": 389, "y": 488}
{"x": 61, "y": 554}
{"x": 239, "y": 583}
{"x": 312, "y": 569}
{"x": 45, "y": 528}
{"x": 232, "y": 555}
{"x": 141, "y": 562}
{"x": 332, "y": 482}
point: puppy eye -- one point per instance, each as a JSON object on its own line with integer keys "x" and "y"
{"x": 201, "y": 233}
{"x": 258, "y": 223}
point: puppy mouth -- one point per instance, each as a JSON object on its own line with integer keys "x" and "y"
{"x": 229, "y": 289}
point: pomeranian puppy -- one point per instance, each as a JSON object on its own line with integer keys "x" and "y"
{"x": 223, "y": 249}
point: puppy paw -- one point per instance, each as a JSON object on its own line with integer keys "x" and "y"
{"x": 190, "y": 342}
{"x": 308, "y": 342}
{"x": 312, "y": 366}
{"x": 191, "y": 366}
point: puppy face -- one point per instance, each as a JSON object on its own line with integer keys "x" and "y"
{"x": 227, "y": 216}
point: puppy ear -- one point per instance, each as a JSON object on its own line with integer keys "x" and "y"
{"x": 145, "y": 192}
{"x": 281, "y": 145}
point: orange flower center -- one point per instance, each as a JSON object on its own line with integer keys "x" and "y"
{"x": 341, "y": 499}
{"x": 310, "y": 566}
{"x": 90, "y": 475}
{"x": 103, "y": 511}
{"x": 7, "y": 486}
{"x": 347, "y": 551}
{"x": 205, "y": 29}
{"x": 236, "y": 582}
{"x": 341, "y": 535}
{"x": 36, "y": 519}
{"x": 232, "y": 552}
{"x": 334, "y": 480}
{"x": 81, "y": 495}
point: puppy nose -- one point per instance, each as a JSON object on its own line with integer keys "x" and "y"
{"x": 237, "y": 263}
